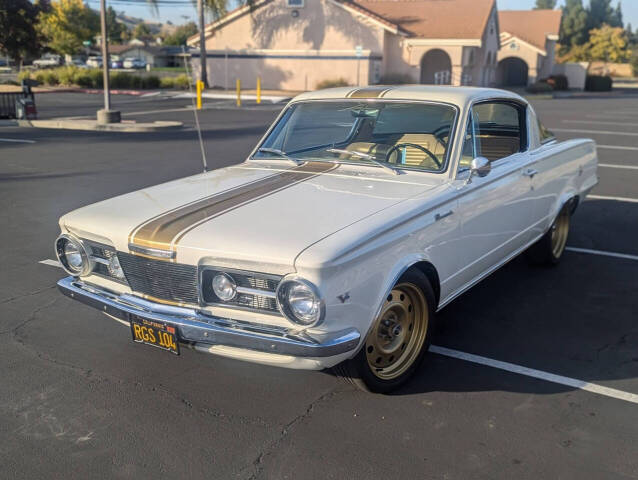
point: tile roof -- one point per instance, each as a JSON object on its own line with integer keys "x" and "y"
{"x": 533, "y": 26}
{"x": 458, "y": 19}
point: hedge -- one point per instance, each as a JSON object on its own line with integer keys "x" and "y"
{"x": 558, "y": 82}
{"x": 332, "y": 82}
{"x": 598, "y": 83}
{"x": 92, "y": 78}
{"x": 540, "y": 87}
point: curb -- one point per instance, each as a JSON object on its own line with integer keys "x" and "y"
{"x": 92, "y": 125}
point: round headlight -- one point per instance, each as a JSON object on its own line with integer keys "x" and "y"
{"x": 224, "y": 287}
{"x": 72, "y": 255}
{"x": 300, "y": 302}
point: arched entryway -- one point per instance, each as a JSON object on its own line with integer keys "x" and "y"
{"x": 513, "y": 72}
{"x": 436, "y": 68}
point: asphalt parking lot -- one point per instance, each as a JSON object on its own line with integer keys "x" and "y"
{"x": 80, "y": 400}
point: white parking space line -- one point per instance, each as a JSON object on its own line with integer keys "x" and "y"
{"x": 602, "y": 253}
{"x": 15, "y": 140}
{"x": 600, "y": 122}
{"x": 595, "y": 132}
{"x": 52, "y": 263}
{"x": 617, "y": 199}
{"x": 539, "y": 374}
{"x": 609, "y": 165}
{"x": 616, "y": 147}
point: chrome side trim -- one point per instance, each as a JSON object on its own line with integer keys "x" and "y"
{"x": 199, "y": 328}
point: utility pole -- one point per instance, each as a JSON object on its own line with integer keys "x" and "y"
{"x": 202, "y": 43}
{"x": 106, "y": 115}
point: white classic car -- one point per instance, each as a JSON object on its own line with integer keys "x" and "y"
{"x": 360, "y": 214}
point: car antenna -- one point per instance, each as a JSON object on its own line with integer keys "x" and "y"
{"x": 199, "y": 130}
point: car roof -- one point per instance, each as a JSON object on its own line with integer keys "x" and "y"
{"x": 460, "y": 96}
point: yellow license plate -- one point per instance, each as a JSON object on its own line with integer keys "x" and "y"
{"x": 157, "y": 334}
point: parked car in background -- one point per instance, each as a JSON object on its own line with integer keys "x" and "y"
{"x": 3, "y": 62}
{"x": 134, "y": 63}
{"x": 94, "y": 62}
{"x": 48, "y": 61}
{"x": 360, "y": 214}
{"x": 78, "y": 62}
{"x": 115, "y": 64}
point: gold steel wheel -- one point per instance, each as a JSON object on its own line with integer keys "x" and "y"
{"x": 559, "y": 230}
{"x": 398, "y": 333}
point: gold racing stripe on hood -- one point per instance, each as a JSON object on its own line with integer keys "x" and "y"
{"x": 370, "y": 92}
{"x": 164, "y": 231}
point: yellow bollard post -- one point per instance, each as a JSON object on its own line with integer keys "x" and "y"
{"x": 238, "y": 93}
{"x": 200, "y": 87}
{"x": 258, "y": 90}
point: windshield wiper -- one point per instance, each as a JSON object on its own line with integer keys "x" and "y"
{"x": 367, "y": 156}
{"x": 279, "y": 153}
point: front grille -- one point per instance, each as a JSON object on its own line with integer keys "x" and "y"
{"x": 164, "y": 280}
{"x": 257, "y": 281}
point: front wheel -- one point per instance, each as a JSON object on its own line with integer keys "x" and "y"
{"x": 398, "y": 339}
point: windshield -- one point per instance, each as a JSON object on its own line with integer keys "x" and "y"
{"x": 395, "y": 134}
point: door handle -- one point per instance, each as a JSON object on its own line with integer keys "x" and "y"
{"x": 530, "y": 172}
{"x": 441, "y": 216}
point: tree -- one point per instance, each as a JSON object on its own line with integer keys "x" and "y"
{"x": 142, "y": 32}
{"x": 600, "y": 12}
{"x": 181, "y": 34}
{"x": 573, "y": 29}
{"x": 18, "y": 32}
{"x": 67, "y": 25}
{"x": 609, "y": 44}
{"x": 115, "y": 29}
{"x": 545, "y": 5}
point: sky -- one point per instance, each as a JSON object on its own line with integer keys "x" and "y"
{"x": 181, "y": 11}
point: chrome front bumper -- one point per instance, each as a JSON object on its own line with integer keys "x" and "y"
{"x": 199, "y": 328}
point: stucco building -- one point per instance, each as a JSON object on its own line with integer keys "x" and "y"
{"x": 295, "y": 44}
{"x": 528, "y": 45}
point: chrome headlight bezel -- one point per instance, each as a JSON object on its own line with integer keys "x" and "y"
{"x": 60, "y": 245}
{"x": 283, "y": 290}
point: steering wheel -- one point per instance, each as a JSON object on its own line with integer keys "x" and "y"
{"x": 414, "y": 145}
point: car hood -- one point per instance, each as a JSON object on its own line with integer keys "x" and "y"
{"x": 257, "y": 215}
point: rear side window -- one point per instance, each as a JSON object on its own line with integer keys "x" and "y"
{"x": 499, "y": 130}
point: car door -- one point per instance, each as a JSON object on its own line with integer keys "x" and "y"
{"x": 496, "y": 210}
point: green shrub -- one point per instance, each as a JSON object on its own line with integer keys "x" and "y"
{"x": 558, "y": 82}
{"x": 47, "y": 77}
{"x": 634, "y": 64}
{"x": 332, "y": 82}
{"x": 539, "y": 87}
{"x": 151, "y": 82}
{"x": 396, "y": 79}
{"x": 66, "y": 75}
{"x": 598, "y": 83}
{"x": 25, "y": 75}
{"x": 180, "y": 81}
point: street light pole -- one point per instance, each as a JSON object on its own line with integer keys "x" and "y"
{"x": 202, "y": 43}
{"x": 106, "y": 115}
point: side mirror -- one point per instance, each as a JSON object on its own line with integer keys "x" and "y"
{"x": 480, "y": 166}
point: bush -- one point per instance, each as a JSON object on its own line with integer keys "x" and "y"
{"x": 332, "y": 82}
{"x": 25, "y": 75}
{"x": 539, "y": 87}
{"x": 180, "y": 81}
{"x": 396, "y": 79}
{"x": 558, "y": 82}
{"x": 598, "y": 83}
{"x": 47, "y": 77}
{"x": 634, "y": 64}
{"x": 150, "y": 82}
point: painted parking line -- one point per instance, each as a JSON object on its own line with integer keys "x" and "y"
{"x": 15, "y": 140}
{"x": 602, "y": 253}
{"x": 627, "y": 167}
{"x": 52, "y": 263}
{"x": 616, "y": 199}
{"x": 599, "y": 122}
{"x": 595, "y": 132}
{"x": 539, "y": 374}
{"x": 616, "y": 147}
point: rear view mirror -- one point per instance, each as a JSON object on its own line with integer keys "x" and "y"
{"x": 480, "y": 166}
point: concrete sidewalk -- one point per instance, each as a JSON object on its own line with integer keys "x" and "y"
{"x": 127, "y": 126}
